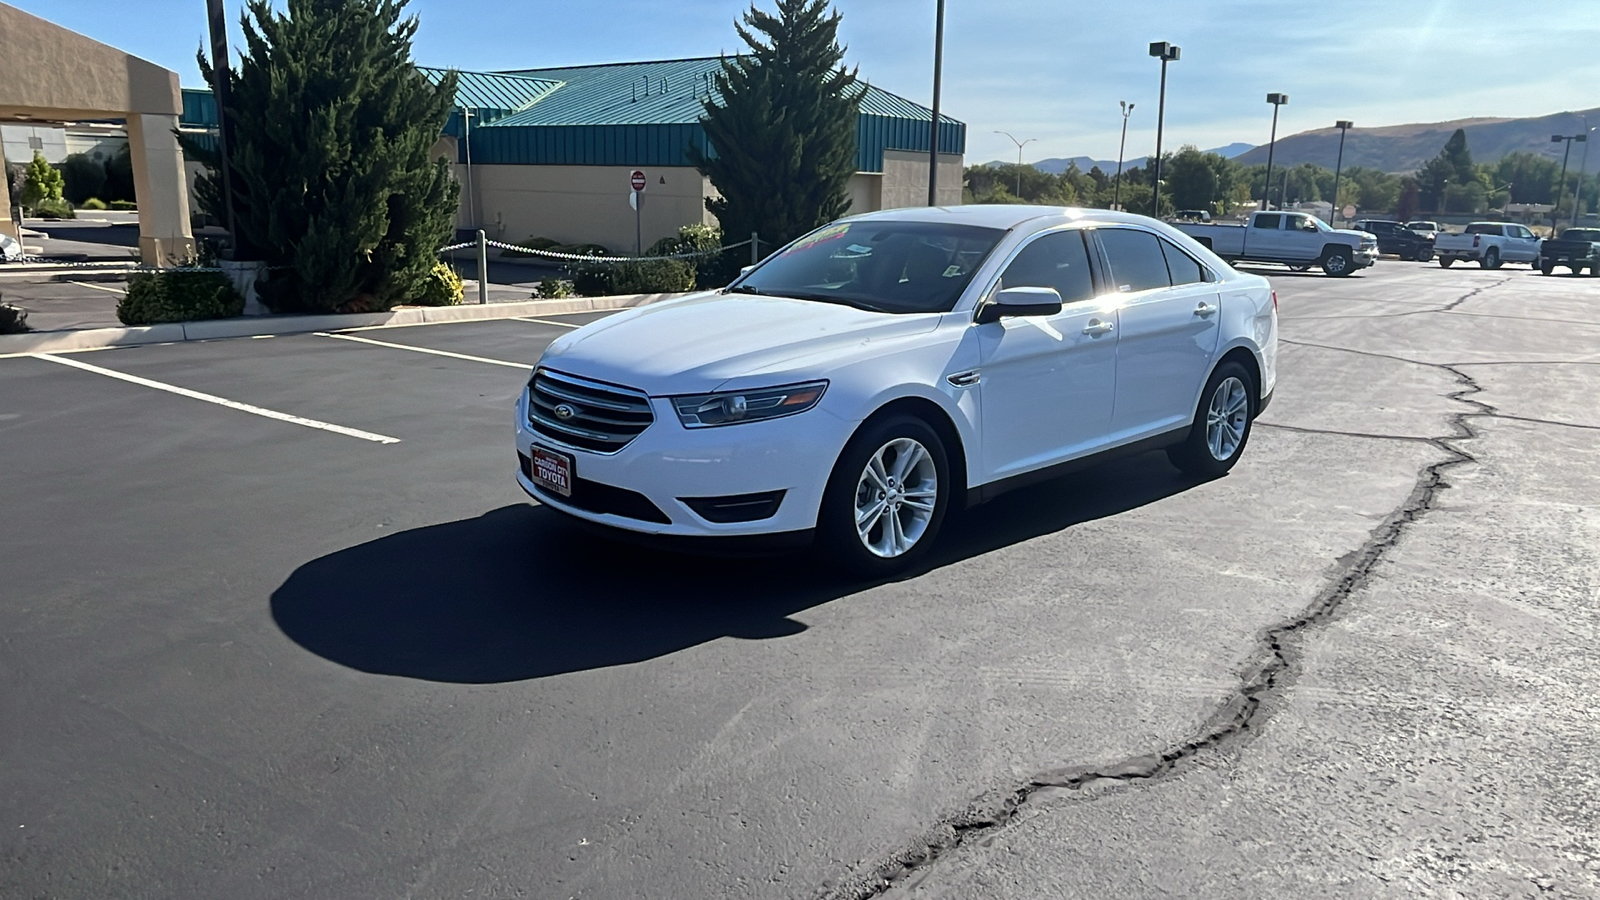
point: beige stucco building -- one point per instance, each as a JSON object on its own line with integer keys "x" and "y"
{"x": 50, "y": 75}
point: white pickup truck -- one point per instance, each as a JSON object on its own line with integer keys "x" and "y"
{"x": 1291, "y": 238}
{"x": 1488, "y": 244}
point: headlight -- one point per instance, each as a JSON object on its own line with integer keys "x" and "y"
{"x": 732, "y": 407}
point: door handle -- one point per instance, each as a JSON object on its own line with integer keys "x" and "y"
{"x": 1204, "y": 309}
{"x": 1098, "y": 327}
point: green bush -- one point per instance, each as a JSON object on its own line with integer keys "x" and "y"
{"x": 650, "y": 276}
{"x": 442, "y": 288}
{"x": 553, "y": 289}
{"x": 178, "y": 295}
{"x": 13, "y": 319}
{"x": 54, "y": 209}
{"x": 84, "y": 178}
{"x": 97, "y": 203}
{"x": 126, "y": 205}
{"x": 581, "y": 249}
{"x": 41, "y": 183}
{"x": 533, "y": 243}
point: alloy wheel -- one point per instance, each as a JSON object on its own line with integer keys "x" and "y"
{"x": 895, "y": 497}
{"x": 1227, "y": 418}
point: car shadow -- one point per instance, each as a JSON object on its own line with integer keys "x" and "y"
{"x": 521, "y": 592}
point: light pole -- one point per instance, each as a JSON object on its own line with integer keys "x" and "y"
{"x": 1555, "y": 212}
{"x": 933, "y": 133}
{"x": 1583, "y": 172}
{"x": 1020, "y": 145}
{"x": 1116, "y": 192}
{"x": 1343, "y": 125}
{"x": 1166, "y": 53}
{"x": 466, "y": 140}
{"x": 1276, "y": 100}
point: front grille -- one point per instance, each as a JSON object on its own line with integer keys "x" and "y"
{"x": 601, "y": 417}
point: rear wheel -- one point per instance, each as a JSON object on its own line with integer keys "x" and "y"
{"x": 886, "y": 498}
{"x": 1221, "y": 423}
{"x": 1547, "y": 267}
{"x": 1491, "y": 259}
{"x": 1337, "y": 264}
{"x": 1424, "y": 254}
{"x": 1446, "y": 262}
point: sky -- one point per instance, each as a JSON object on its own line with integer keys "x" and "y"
{"x": 1047, "y": 70}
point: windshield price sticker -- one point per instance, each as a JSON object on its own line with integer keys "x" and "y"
{"x": 837, "y": 232}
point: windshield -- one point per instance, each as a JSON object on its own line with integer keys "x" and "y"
{"x": 885, "y": 266}
{"x": 1581, "y": 234}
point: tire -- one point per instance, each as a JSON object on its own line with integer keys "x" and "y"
{"x": 1446, "y": 262}
{"x": 1338, "y": 264}
{"x": 1547, "y": 267}
{"x": 1424, "y": 254}
{"x": 872, "y": 457}
{"x": 1215, "y": 444}
{"x": 1491, "y": 258}
{"x": 1576, "y": 270}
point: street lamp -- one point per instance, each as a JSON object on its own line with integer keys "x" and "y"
{"x": 933, "y": 134}
{"x": 1343, "y": 125}
{"x": 1166, "y": 53}
{"x": 1556, "y": 139}
{"x": 1116, "y": 193}
{"x": 1276, "y": 100}
{"x": 466, "y": 126}
{"x": 1583, "y": 172}
{"x": 1020, "y": 145}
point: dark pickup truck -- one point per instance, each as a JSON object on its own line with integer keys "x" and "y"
{"x": 1397, "y": 238}
{"x": 1577, "y": 249}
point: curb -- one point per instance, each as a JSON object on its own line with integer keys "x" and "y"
{"x": 263, "y": 326}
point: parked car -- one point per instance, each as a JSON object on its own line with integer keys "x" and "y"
{"x": 10, "y": 250}
{"x": 1395, "y": 238}
{"x": 878, "y": 372}
{"x": 1192, "y": 215}
{"x": 1577, "y": 249}
{"x": 1290, "y": 238}
{"x": 1433, "y": 228}
{"x": 1490, "y": 244}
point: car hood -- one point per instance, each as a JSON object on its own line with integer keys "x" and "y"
{"x": 703, "y": 341}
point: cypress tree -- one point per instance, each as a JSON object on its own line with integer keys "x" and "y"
{"x": 783, "y": 131}
{"x": 331, "y": 132}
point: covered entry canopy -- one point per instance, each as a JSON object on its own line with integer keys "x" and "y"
{"x": 49, "y": 74}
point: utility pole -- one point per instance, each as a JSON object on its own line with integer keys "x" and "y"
{"x": 1166, "y": 53}
{"x": 933, "y": 134}
{"x": 1343, "y": 126}
{"x": 1561, "y": 191}
{"x": 1116, "y": 192}
{"x": 1276, "y": 100}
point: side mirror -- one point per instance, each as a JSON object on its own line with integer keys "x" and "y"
{"x": 1020, "y": 301}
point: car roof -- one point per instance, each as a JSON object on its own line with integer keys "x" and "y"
{"x": 997, "y": 215}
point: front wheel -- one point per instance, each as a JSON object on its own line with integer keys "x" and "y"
{"x": 1222, "y": 423}
{"x": 1337, "y": 264}
{"x": 1491, "y": 259}
{"x": 886, "y": 498}
{"x": 1547, "y": 267}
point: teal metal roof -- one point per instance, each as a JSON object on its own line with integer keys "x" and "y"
{"x": 494, "y": 91}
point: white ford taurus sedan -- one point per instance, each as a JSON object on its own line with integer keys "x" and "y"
{"x": 860, "y": 381}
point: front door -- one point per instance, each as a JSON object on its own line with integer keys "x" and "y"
{"x": 1048, "y": 382}
{"x": 1169, "y": 320}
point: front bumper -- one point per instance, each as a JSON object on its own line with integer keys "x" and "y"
{"x": 1365, "y": 257}
{"x": 668, "y": 463}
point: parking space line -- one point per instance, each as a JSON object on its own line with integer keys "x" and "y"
{"x": 98, "y": 287}
{"x": 545, "y": 322}
{"x": 480, "y": 359}
{"x": 220, "y": 401}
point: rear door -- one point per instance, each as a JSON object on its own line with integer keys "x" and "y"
{"x": 1048, "y": 383}
{"x": 1263, "y": 238}
{"x": 1522, "y": 245}
{"x": 1169, "y": 323}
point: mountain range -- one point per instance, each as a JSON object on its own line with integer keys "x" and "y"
{"x": 1392, "y": 148}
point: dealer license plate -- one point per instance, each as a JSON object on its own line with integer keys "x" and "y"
{"x": 552, "y": 471}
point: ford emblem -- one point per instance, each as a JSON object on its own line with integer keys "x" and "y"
{"x": 566, "y": 411}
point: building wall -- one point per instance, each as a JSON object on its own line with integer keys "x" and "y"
{"x": 582, "y": 204}
{"x": 905, "y": 179}
{"x": 866, "y": 192}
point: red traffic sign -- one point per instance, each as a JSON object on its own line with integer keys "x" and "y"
{"x": 638, "y": 180}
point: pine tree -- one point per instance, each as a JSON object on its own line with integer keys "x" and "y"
{"x": 332, "y": 128}
{"x": 1455, "y": 153}
{"x": 783, "y": 131}
{"x": 41, "y": 184}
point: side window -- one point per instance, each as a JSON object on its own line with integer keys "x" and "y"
{"x": 1137, "y": 263}
{"x": 1057, "y": 260}
{"x": 1183, "y": 267}
{"x": 1267, "y": 221}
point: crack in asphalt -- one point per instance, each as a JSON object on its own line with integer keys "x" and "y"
{"x": 1300, "y": 429}
{"x": 1271, "y": 668}
{"x": 1448, "y": 307}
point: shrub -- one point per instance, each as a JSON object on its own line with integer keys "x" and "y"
{"x": 125, "y": 205}
{"x": 54, "y": 209}
{"x": 533, "y": 243}
{"x": 41, "y": 184}
{"x": 13, "y": 319}
{"x": 119, "y": 177}
{"x": 441, "y": 288}
{"x": 710, "y": 267}
{"x": 553, "y": 289}
{"x": 178, "y": 295}
{"x": 651, "y": 276}
{"x": 83, "y": 178}
{"x": 96, "y": 203}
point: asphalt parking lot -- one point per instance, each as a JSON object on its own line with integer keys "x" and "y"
{"x": 312, "y": 640}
